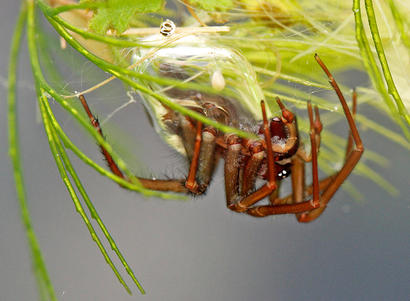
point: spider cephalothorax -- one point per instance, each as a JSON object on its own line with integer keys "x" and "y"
{"x": 274, "y": 156}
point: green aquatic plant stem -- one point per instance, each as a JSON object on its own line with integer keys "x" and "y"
{"x": 400, "y": 24}
{"x": 84, "y": 5}
{"x": 69, "y": 144}
{"x": 80, "y": 118}
{"x": 136, "y": 186}
{"x": 44, "y": 284}
{"x": 94, "y": 214}
{"x": 120, "y": 42}
{"x": 371, "y": 66}
{"x": 292, "y": 79}
{"x": 65, "y": 167}
{"x": 119, "y": 73}
{"x": 53, "y": 142}
{"x": 383, "y": 61}
{"x": 130, "y": 72}
{"x": 62, "y": 162}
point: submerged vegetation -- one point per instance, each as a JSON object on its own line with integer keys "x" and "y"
{"x": 278, "y": 38}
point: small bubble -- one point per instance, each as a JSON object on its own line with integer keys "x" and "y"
{"x": 218, "y": 81}
{"x": 167, "y": 28}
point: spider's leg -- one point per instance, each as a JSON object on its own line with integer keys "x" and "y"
{"x": 317, "y": 126}
{"x": 202, "y": 162}
{"x": 285, "y": 206}
{"x": 207, "y": 157}
{"x": 330, "y": 184}
{"x": 308, "y": 191}
{"x": 203, "y": 159}
{"x": 314, "y": 151}
{"x": 349, "y": 146}
{"x": 188, "y": 134}
{"x": 298, "y": 181}
{"x": 245, "y": 202}
{"x": 298, "y": 166}
{"x": 354, "y": 150}
{"x": 231, "y": 168}
{"x": 274, "y": 196}
{"x": 94, "y": 121}
{"x": 249, "y": 171}
{"x": 191, "y": 182}
{"x": 161, "y": 185}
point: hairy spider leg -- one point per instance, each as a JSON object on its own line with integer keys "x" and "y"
{"x": 188, "y": 135}
{"x": 191, "y": 182}
{"x": 231, "y": 168}
{"x": 96, "y": 124}
{"x": 154, "y": 184}
{"x": 208, "y": 157}
{"x": 199, "y": 144}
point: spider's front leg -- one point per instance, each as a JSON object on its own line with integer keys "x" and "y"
{"x": 201, "y": 166}
{"x": 321, "y": 191}
{"x": 295, "y": 203}
{"x": 354, "y": 150}
{"x": 298, "y": 173}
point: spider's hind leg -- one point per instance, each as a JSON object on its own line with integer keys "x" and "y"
{"x": 201, "y": 158}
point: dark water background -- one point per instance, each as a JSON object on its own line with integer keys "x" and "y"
{"x": 197, "y": 249}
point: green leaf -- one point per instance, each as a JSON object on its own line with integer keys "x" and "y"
{"x": 118, "y": 14}
{"x": 212, "y": 5}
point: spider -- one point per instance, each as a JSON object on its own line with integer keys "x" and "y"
{"x": 277, "y": 154}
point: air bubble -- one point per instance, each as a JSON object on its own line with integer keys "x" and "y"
{"x": 199, "y": 61}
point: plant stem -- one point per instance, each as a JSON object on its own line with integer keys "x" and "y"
{"x": 383, "y": 61}
{"x": 371, "y": 66}
{"x": 43, "y": 280}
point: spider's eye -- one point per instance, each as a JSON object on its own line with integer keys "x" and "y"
{"x": 282, "y": 171}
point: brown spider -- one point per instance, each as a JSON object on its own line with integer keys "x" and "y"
{"x": 276, "y": 155}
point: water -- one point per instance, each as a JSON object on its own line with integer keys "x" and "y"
{"x": 198, "y": 249}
